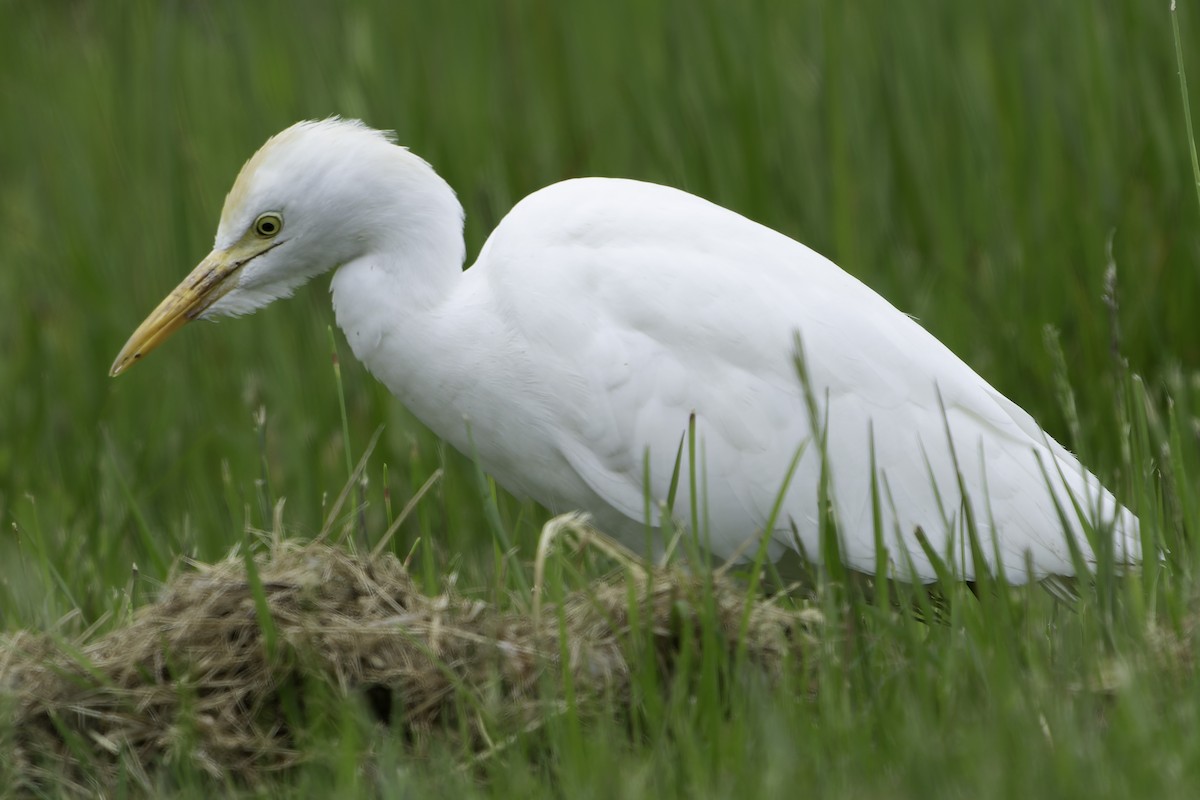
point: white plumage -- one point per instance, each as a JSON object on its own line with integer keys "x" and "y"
{"x": 602, "y": 314}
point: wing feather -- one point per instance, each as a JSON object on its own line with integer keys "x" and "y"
{"x": 645, "y": 305}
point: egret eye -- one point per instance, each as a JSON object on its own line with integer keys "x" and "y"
{"x": 268, "y": 225}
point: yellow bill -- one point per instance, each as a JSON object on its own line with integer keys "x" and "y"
{"x": 206, "y": 284}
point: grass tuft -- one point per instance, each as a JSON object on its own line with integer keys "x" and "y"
{"x": 232, "y": 654}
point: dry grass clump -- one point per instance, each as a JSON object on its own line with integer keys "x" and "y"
{"x": 198, "y": 678}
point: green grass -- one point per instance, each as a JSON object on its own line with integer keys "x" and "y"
{"x": 979, "y": 164}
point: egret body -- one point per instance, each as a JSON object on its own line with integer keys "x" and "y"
{"x": 602, "y": 315}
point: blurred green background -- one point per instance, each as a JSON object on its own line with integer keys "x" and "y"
{"x": 980, "y": 164}
{"x": 973, "y": 162}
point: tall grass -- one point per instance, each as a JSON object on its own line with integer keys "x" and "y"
{"x": 982, "y": 165}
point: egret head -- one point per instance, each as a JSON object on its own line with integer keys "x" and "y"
{"x": 314, "y": 197}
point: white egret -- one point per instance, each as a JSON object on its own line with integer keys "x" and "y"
{"x": 603, "y": 314}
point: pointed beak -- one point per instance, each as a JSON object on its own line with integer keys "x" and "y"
{"x": 207, "y": 283}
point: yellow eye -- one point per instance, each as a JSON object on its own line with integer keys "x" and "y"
{"x": 267, "y": 225}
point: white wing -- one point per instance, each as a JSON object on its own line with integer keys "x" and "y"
{"x": 638, "y": 305}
